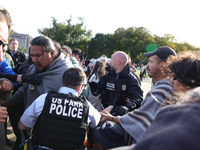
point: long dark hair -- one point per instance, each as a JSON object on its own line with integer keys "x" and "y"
{"x": 98, "y": 69}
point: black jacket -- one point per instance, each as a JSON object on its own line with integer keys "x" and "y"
{"x": 115, "y": 91}
{"x": 18, "y": 58}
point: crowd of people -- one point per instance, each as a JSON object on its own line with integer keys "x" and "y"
{"x": 68, "y": 103}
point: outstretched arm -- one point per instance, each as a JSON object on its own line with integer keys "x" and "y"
{"x": 106, "y": 116}
{"x": 22, "y": 127}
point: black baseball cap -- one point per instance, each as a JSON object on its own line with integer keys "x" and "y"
{"x": 162, "y": 52}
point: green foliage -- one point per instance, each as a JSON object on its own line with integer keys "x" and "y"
{"x": 134, "y": 40}
{"x": 75, "y": 36}
{"x": 10, "y": 34}
{"x": 101, "y": 44}
{"x": 24, "y": 49}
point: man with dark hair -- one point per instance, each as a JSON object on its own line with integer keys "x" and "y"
{"x": 129, "y": 129}
{"x": 17, "y": 56}
{"x": 62, "y": 112}
{"x": 49, "y": 63}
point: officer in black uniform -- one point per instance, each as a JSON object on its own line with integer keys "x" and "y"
{"x": 63, "y": 121}
{"x": 18, "y": 56}
{"x": 120, "y": 90}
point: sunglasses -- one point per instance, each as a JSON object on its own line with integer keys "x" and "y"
{"x": 3, "y": 43}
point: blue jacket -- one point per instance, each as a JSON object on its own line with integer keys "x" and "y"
{"x": 6, "y": 68}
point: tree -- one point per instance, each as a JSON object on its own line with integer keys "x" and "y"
{"x": 101, "y": 44}
{"x": 133, "y": 40}
{"x": 75, "y": 36}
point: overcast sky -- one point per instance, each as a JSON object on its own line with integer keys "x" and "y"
{"x": 177, "y": 17}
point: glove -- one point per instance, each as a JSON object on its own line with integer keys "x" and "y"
{"x": 131, "y": 105}
{"x": 17, "y": 67}
{"x": 120, "y": 110}
{"x": 33, "y": 79}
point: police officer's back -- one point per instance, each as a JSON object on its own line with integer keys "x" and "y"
{"x": 62, "y": 117}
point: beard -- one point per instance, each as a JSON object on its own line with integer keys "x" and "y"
{"x": 41, "y": 70}
{"x": 112, "y": 68}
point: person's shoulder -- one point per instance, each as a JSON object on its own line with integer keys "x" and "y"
{"x": 5, "y": 61}
{"x": 8, "y": 51}
{"x": 163, "y": 82}
{"x": 20, "y": 52}
{"x": 92, "y": 78}
{"x": 42, "y": 96}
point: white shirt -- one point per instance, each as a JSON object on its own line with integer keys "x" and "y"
{"x": 31, "y": 114}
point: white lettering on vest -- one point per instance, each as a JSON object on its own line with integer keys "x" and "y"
{"x": 75, "y": 109}
{"x": 110, "y": 86}
{"x": 73, "y": 113}
{"x": 54, "y": 100}
{"x": 64, "y": 113}
{"x": 57, "y": 100}
{"x": 71, "y": 103}
{"x": 69, "y": 111}
{"x": 59, "y": 109}
{"x": 53, "y": 107}
{"x": 66, "y": 101}
{"x": 76, "y": 104}
{"x": 80, "y": 105}
{"x": 80, "y": 113}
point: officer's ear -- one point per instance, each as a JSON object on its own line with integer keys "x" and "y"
{"x": 79, "y": 88}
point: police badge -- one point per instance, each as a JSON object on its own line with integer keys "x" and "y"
{"x": 17, "y": 59}
{"x": 31, "y": 87}
{"x": 124, "y": 87}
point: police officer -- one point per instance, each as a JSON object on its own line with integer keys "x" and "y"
{"x": 18, "y": 56}
{"x": 120, "y": 90}
{"x": 62, "y": 117}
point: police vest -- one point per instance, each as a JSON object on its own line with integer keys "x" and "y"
{"x": 63, "y": 122}
{"x": 116, "y": 90}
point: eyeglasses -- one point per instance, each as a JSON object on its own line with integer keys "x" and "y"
{"x": 3, "y": 43}
{"x": 84, "y": 85}
{"x": 38, "y": 56}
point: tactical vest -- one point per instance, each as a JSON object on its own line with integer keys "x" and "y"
{"x": 63, "y": 122}
{"x": 116, "y": 90}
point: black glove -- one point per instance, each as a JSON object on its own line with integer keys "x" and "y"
{"x": 33, "y": 79}
{"x": 120, "y": 111}
{"x": 131, "y": 105}
{"x": 17, "y": 67}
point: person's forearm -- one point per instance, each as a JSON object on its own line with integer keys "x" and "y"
{"x": 115, "y": 120}
{"x": 109, "y": 108}
{"x": 19, "y": 78}
{"x": 17, "y": 97}
{"x": 11, "y": 77}
{"x": 21, "y": 126}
